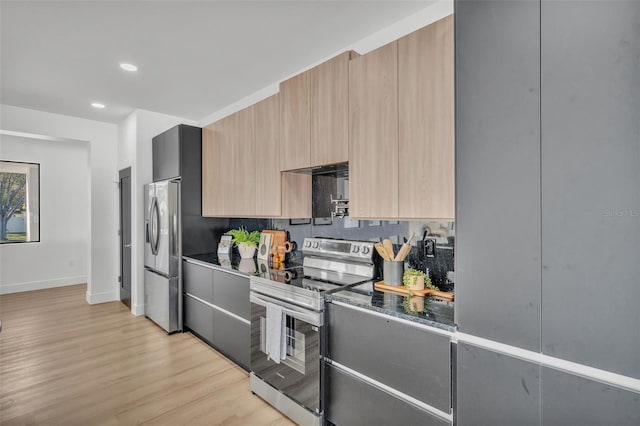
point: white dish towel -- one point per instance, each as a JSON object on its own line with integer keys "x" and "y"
{"x": 276, "y": 333}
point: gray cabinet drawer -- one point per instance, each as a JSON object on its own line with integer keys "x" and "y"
{"x": 231, "y": 293}
{"x": 407, "y": 358}
{"x": 198, "y": 317}
{"x": 496, "y": 389}
{"x": 573, "y": 400}
{"x": 198, "y": 281}
{"x": 351, "y": 401}
{"x": 232, "y": 337}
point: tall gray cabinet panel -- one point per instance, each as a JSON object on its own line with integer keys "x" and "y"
{"x": 166, "y": 154}
{"x": 496, "y": 389}
{"x": 591, "y": 183}
{"x": 573, "y": 400}
{"x": 498, "y": 265}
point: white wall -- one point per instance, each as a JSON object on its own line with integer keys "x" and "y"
{"x": 134, "y": 150}
{"x": 62, "y": 255}
{"x": 102, "y": 140}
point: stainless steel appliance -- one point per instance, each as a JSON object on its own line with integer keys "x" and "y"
{"x": 162, "y": 286}
{"x": 293, "y": 384}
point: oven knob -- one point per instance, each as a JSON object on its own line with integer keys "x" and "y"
{"x": 307, "y": 244}
{"x": 316, "y": 244}
{"x": 355, "y": 249}
{"x": 365, "y": 250}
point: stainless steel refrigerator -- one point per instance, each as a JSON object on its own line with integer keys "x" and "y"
{"x": 162, "y": 254}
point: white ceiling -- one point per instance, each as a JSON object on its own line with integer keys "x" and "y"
{"x": 194, "y": 58}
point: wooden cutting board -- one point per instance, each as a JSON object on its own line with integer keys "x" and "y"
{"x": 279, "y": 237}
{"x": 400, "y": 289}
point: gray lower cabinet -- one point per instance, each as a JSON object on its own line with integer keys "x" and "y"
{"x": 496, "y": 389}
{"x": 232, "y": 337}
{"x": 198, "y": 317}
{"x": 571, "y": 400}
{"x": 216, "y": 309}
{"x": 408, "y": 358}
{"x": 352, "y": 402}
{"x": 197, "y": 280}
{"x": 231, "y": 292}
{"x": 498, "y": 244}
{"x": 591, "y": 183}
{"x": 385, "y": 371}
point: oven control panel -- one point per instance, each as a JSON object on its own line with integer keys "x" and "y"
{"x": 345, "y": 249}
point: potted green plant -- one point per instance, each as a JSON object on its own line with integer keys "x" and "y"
{"x": 414, "y": 279}
{"x": 246, "y": 241}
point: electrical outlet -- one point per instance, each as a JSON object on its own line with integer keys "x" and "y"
{"x": 430, "y": 247}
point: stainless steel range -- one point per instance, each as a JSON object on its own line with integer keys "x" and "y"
{"x": 288, "y": 377}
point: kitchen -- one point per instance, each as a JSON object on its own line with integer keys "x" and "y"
{"x": 524, "y": 345}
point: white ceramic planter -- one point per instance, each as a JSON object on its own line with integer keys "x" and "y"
{"x": 246, "y": 250}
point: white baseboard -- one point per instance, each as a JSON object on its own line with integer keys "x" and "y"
{"x": 109, "y": 296}
{"x": 137, "y": 310}
{"x": 39, "y": 285}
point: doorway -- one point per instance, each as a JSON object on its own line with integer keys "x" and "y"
{"x": 125, "y": 236}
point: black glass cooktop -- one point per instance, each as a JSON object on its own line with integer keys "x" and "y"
{"x": 314, "y": 279}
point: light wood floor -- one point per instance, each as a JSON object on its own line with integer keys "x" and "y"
{"x": 65, "y": 362}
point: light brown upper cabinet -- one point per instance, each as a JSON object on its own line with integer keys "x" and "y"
{"x": 267, "y": 136}
{"x": 295, "y": 122}
{"x": 329, "y": 94}
{"x": 401, "y": 111}
{"x": 229, "y": 175}
{"x": 241, "y": 168}
{"x": 426, "y": 122}
{"x": 314, "y": 115}
{"x": 373, "y": 134}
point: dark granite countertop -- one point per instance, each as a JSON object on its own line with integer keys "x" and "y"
{"x": 421, "y": 310}
{"x": 234, "y": 263}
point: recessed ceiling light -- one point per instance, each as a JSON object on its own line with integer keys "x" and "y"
{"x": 97, "y": 105}
{"x": 128, "y": 67}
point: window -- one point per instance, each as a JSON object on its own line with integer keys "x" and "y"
{"x": 19, "y": 202}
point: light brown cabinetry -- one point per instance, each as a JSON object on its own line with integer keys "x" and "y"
{"x": 228, "y": 184}
{"x": 329, "y": 101}
{"x": 266, "y": 161}
{"x": 294, "y": 122}
{"x": 373, "y": 134}
{"x": 426, "y": 122}
{"x": 314, "y": 115}
{"x": 241, "y": 168}
{"x": 401, "y": 111}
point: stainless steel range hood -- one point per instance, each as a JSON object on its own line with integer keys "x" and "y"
{"x": 336, "y": 170}
{"x": 330, "y": 182}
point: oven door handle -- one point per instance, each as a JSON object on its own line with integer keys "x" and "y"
{"x": 311, "y": 317}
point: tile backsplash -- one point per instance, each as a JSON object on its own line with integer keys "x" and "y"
{"x": 443, "y": 233}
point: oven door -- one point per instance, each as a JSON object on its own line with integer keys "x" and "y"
{"x": 298, "y": 375}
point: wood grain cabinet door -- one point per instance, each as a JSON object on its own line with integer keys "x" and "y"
{"x": 267, "y": 159}
{"x": 373, "y": 133}
{"x": 212, "y": 172}
{"x": 426, "y": 122}
{"x": 229, "y": 174}
{"x": 295, "y": 122}
{"x": 240, "y": 183}
{"x": 329, "y": 98}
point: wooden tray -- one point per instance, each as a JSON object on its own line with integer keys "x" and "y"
{"x": 400, "y": 289}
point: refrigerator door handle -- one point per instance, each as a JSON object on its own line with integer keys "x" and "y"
{"x": 174, "y": 234}
{"x": 155, "y": 223}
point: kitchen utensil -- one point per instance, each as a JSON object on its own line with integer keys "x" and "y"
{"x": 381, "y": 251}
{"x": 388, "y": 245}
{"x": 404, "y": 250}
{"x": 279, "y": 237}
{"x": 392, "y": 272}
